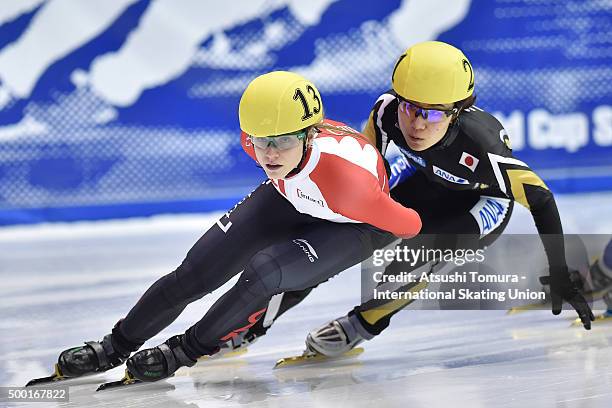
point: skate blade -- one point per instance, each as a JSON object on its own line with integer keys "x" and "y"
{"x": 599, "y": 319}
{"x": 305, "y": 359}
{"x": 527, "y": 308}
{"x": 128, "y": 379}
{"x": 231, "y": 354}
{"x": 55, "y": 377}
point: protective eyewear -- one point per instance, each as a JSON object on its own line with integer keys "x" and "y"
{"x": 281, "y": 142}
{"x": 430, "y": 115}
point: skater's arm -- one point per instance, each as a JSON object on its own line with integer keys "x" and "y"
{"x": 522, "y": 184}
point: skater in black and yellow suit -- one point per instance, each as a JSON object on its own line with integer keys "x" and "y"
{"x": 465, "y": 179}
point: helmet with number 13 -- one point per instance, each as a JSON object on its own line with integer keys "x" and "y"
{"x": 278, "y": 111}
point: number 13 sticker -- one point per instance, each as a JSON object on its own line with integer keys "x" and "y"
{"x": 299, "y": 96}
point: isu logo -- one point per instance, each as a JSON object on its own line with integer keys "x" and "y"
{"x": 252, "y": 320}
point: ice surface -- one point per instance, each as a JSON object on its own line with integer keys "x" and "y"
{"x": 64, "y": 284}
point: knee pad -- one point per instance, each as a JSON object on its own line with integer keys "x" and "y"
{"x": 262, "y": 275}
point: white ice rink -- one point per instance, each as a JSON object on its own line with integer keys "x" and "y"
{"x": 64, "y": 284}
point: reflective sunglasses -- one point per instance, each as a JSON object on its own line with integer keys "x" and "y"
{"x": 281, "y": 142}
{"x": 430, "y": 115}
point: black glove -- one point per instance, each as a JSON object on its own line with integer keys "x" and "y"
{"x": 563, "y": 288}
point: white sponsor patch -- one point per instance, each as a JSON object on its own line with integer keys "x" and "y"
{"x": 305, "y": 196}
{"x": 489, "y": 213}
{"x": 448, "y": 176}
{"x": 469, "y": 161}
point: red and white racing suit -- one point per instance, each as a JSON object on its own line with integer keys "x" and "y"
{"x": 343, "y": 179}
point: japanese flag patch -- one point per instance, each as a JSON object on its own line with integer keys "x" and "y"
{"x": 469, "y": 161}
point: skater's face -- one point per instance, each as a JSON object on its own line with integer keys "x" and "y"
{"x": 279, "y": 155}
{"x": 423, "y": 125}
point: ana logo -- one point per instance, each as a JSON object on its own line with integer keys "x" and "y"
{"x": 305, "y": 196}
{"x": 448, "y": 176}
{"x": 307, "y": 248}
{"x": 469, "y": 161}
{"x": 417, "y": 159}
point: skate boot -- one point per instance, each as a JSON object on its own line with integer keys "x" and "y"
{"x": 92, "y": 358}
{"x": 336, "y": 337}
{"x": 159, "y": 362}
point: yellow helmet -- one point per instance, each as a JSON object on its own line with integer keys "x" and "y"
{"x": 279, "y": 102}
{"x": 433, "y": 72}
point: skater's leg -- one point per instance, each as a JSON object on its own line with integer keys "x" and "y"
{"x": 311, "y": 256}
{"x": 211, "y": 262}
{"x": 284, "y": 301}
{"x": 276, "y": 307}
{"x": 441, "y": 227}
{"x": 374, "y": 316}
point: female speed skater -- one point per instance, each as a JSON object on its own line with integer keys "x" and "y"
{"x": 324, "y": 207}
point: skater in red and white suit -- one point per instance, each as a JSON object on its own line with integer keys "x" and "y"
{"x": 342, "y": 178}
{"x": 324, "y": 208}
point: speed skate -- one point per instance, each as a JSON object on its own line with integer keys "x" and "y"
{"x": 309, "y": 357}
